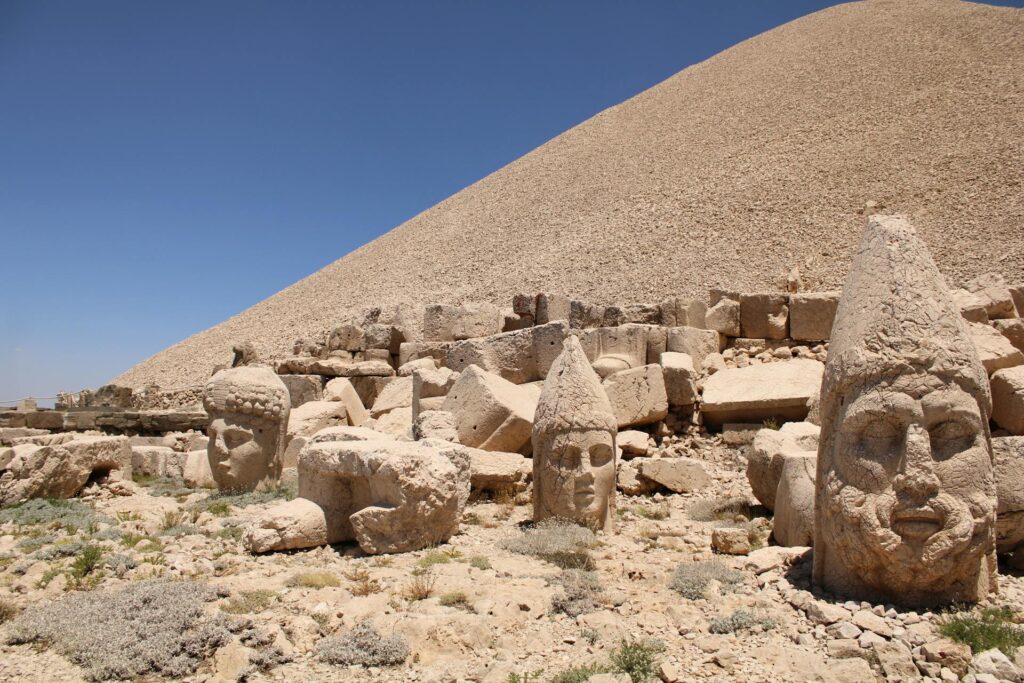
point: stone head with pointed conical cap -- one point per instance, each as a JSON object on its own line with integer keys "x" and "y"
{"x": 574, "y": 444}
{"x": 905, "y": 495}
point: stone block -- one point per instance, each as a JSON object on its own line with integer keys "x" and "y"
{"x": 629, "y": 481}
{"x": 397, "y": 394}
{"x": 771, "y": 448}
{"x": 657, "y": 344}
{"x": 524, "y": 305}
{"x": 196, "y": 471}
{"x": 679, "y": 475}
{"x": 583, "y": 315}
{"x": 680, "y": 378}
{"x": 443, "y": 323}
{"x": 490, "y": 412}
{"x": 156, "y": 461}
{"x": 793, "y": 524}
{"x": 497, "y": 472}
{"x": 1008, "y": 460}
{"x": 1013, "y": 330}
{"x": 52, "y": 420}
{"x": 1017, "y": 293}
{"x": 811, "y": 315}
{"x": 637, "y": 395}
{"x": 341, "y": 389}
{"x": 632, "y": 442}
{"x": 724, "y": 317}
{"x": 1008, "y": 399}
{"x": 347, "y": 337}
{"x": 410, "y": 351}
{"x": 426, "y": 363}
{"x": 755, "y": 393}
{"x": 61, "y": 470}
{"x": 308, "y": 419}
{"x": 369, "y": 388}
{"x": 430, "y": 384}
{"x": 396, "y": 423}
{"x": 611, "y": 349}
{"x": 730, "y": 541}
{"x": 992, "y": 289}
{"x": 383, "y": 336}
{"x": 995, "y": 350}
{"x": 971, "y": 306}
{"x": 695, "y": 342}
{"x": 303, "y": 388}
{"x": 519, "y": 357}
{"x": 434, "y": 424}
{"x": 764, "y": 315}
{"x": 552, "y": 307}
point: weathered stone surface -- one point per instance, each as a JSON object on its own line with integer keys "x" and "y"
{"x": 430, "y": 383}
{"x": 680, "y": 378}
{"x": 303, "y": 388}
{"x": 971, "y": 306}
{"x": 552, "y": 307}
{"x": 52, "y": 420}
{"x": 9, "y": 434}
{"x": 679, "y": 475}
{"x": 341, "y": 389}
{"x": 1008, "y": 399}
{"x": 156, "y": 461}
{"x": 196, "y": 471}
{"x": 695, "y": 342}
{"x": 1013, "y": 330}
{"x": 629, "y": 481}
{"x": 764, "y": 315}
{"x": 396, "y": 423}
{"x": 1017, "y": 293}
{"x": 573, "y": 438}
{"x": 730, "y": 541}
{"x": 724, "y": 316}
{"x": 611, "y": 349}
{"x": 637, "y": 395}
{"x": 410, "y": 351}
{"x": 332, "y": 367}
{"x": 811, "y": 315}
{"x": 768, "y": 455}
{"x": 995, "y": 350}
{"x": 758, "y": 392}
{"x": 906, "y": 495}
{"x": 1008, "y": 458}
{"x": 490, "y": 412}
{"x": 794, "y": 501}
{"x": 425, "y": 363}
{"x": 347, "y": 337}
{"x": 383, "y": 336}
{"x": 308, "y": 419}
{"x": 992, "y": 289}
{"x": 519, "y": 357}
{"x": 435, "y": 424}
{"x": 298, "y": 523}
{"x": 583, "y": 315}
{"x": 994, "y": 663}
{"x": 343, "y": 433}
{"x": 950, "y": 654}
{"x": 896, "y": 661}
{"x": 453, "y": 323}
{"x": 61, "y": 471}
{"x": 496, "y": 472}
{"x": 632, "y": 442}
{"x": 397, "y": 394}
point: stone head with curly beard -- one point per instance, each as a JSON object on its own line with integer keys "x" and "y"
{"x": 905, "y": 494}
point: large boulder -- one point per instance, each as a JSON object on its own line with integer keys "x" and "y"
{"x": 305, "y": 421}
{"x": 1008, "y": 456}
{"x": 490, "y": 412}
{"x": 1008, "y": 399}
{"x": 971, "y": 306}
{"x": 995, "y": 350}
{"x": 397, "y": 394}
{"x": 494, "y": 472}
{"x": 811, "y": 315}
{"x": 768, "y": 455}
{"x": 428, "y": 383}
{"x": 679, "y": 475}
{"x": 992, "y": 289}
{"x": 637, "y": 395}
{"x": 156, "y": 461}
{"x": 724, "y": 314}
{"x": 303, "y": 388}
{"x": 389, "y": 496}
{"x": 62, "y": 470}
{"x": 778, "y": 391}
{"x": 794, "y": 501}
{"x": 520, "y": 356}
{"x": 694, "y": 342}
{"x": 196, "y": 471}
{"x": 1013, "y": 330}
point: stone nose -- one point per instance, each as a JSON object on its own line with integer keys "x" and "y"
{"x": 916, "y": 476}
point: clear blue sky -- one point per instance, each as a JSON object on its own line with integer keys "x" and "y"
{"x": 165, "y": 165}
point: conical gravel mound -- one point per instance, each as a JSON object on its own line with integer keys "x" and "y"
{"x": 727, "y": 174}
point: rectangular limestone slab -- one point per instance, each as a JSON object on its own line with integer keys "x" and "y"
{"x": 519, "y": 357}
{"x": 811, "y": 315}
{"x": 757, "y": 392}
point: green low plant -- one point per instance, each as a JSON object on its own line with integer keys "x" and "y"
{"x": 992, "y": 627}
{"x": 637, "y": 658}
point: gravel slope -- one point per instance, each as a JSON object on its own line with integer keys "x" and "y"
{"x": 728, "y": 173}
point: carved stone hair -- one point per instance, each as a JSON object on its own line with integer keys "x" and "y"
{"x": 255, "y": 392}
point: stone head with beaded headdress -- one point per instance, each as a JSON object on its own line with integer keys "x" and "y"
{"x": 574, "y": 433}
{"x": 248, "y": 408}
{"x": 905, "y": 494}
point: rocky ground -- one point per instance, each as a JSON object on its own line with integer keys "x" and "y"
{"x": 474, "y": 609}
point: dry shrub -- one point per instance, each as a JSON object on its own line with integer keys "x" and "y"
{"x": 420, "y": 587}
{"x": 558, "y": 541}
{"x": 580, "y": 591}
{"x": 691, "y": 580}
{"x": 314, "y": 580}
{"x": 363, "y": 645}
{"x": 148, "y": 627}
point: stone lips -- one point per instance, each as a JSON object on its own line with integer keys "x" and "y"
{"x": 729, "y": 174}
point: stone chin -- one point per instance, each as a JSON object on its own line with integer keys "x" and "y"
{"x": 904, "y": 551}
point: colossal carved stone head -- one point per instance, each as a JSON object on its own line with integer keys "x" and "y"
{"x": 574, "y": 444}
{"x": 248, "y": 408}
{"x": 905, "y": 494}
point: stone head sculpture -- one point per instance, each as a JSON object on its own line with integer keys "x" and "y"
{"x": 574, "y": 444}
{"x": 905, "y": 494}
{"x": 248, "y": 408}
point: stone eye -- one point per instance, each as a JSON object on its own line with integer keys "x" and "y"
{"x": 600, "y": 454}
{"x": 949, "y": 438}
{"x": 879, "y": 436}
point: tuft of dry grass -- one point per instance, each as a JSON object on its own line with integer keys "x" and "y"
{"x": 419, "y": 588}
{"x": 314, "y": 580}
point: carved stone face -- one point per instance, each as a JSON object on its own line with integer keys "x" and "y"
{"x": 576, "y": 475}
{"x": 242, "y": 452}
{"x": 909, "y": 487}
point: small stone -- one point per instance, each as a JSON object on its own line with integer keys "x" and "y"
{"x": 826, "y": 613}
{"x": 844, "y": 630}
